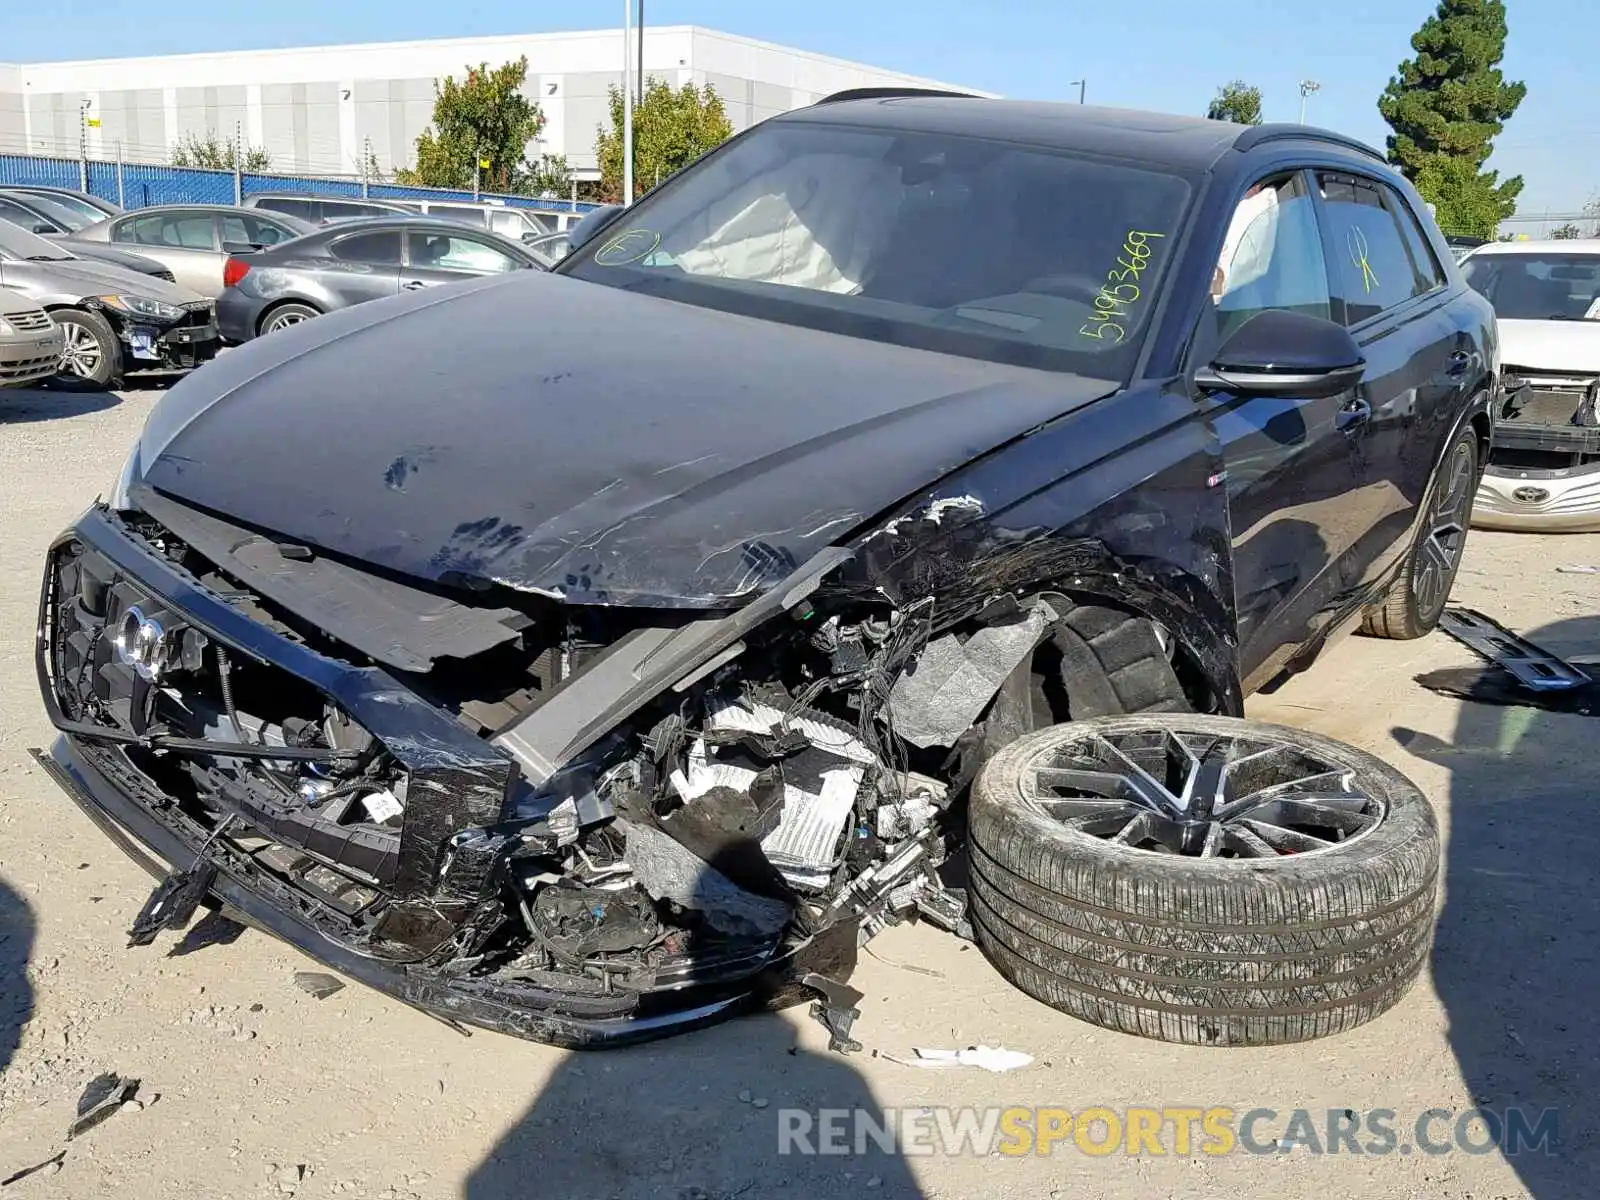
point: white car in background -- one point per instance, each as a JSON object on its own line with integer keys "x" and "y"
{"x": 1544, "y": 465}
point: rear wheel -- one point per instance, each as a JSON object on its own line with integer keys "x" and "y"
{"x": 286, "y": 315}
{"x": 1417, "y": 598}
{"x": 91, "y": 358}
{"x": 1203, "y": 880}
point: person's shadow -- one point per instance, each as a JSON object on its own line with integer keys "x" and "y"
{"x": 1517, "y": 957}
{"x": 699, "y": 1117}
{"x": 16, "y": 993}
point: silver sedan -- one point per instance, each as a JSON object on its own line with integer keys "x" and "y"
{"x": 30, "y": 342}
{"x": 195, "y": 240}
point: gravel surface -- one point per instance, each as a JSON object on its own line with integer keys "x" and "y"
{"x": 252, "y": 1086}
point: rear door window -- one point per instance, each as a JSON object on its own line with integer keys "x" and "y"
{"x": 309, "y": 210}
{"x": 1372, "y": 268}
{"x": 236, "y": 227}
{"x": 339, "y": 210}
{"x": 381, "y": 248}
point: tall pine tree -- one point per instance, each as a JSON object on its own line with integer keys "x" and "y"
{"x": 1446, "y": 106}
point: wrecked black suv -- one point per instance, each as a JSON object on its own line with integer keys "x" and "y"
{"x": 593, "y": 654}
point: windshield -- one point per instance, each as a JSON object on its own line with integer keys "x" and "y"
{"x": 1538, "y": 287}
{"x": 17, "y": 242}
{"x": 66, "y": 210}
{"x": 984, "y": 249}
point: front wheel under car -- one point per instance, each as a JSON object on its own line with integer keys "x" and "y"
{"x": 91, "y": 355}
{"x": 1204, "y": 880}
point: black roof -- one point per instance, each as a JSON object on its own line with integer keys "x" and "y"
{"x": 1186, "y": 143}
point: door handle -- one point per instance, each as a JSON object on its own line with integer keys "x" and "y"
{"x": 1460, "y": 361}
{"x": 1353, "y": 415}
{"x": 414, "y": 285}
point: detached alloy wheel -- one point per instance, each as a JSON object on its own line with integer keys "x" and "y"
{"x": 1202, "y": 880}
{"x": 91, "y": 358}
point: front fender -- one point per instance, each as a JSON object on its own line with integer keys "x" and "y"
{"x": 1121, "y": 501}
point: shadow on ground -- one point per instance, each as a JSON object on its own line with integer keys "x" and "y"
{"x": 666, "y": 1120}
{"x": 16, "y": 993}
{"x": 1517, "y": 959}
{"x": 22, "y": 405}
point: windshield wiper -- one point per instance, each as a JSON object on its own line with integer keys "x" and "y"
{"x": 49, "y": 258}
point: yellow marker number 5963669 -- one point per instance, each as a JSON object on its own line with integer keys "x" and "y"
{"x": 1121, "y": 291}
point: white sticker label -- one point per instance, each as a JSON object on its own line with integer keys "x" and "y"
{"x": 381, "y": 806}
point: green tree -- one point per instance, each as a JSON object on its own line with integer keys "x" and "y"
{"x": 671, "y": 128}
{"x": 1446, "y": 106}
{"x": 216, "y": 153}
{"x": 484, "y": 119}
{"x": 549, "y": 174}
{"x": 1462, "y": 204}
{"x": 1566, "y": 233}
{"x": 1237, "y": 101}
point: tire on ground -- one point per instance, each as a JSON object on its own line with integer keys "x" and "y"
{"x": 1217, "y": 952}
{"x": 109, "y": 370}
{"x": 293, "y": 310}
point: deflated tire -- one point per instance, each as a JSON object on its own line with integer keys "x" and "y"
{"x": 1202, "y": 880}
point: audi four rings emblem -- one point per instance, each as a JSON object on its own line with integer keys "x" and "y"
{"x": 1531, "y": 495}
{"x": 142, "y": 643}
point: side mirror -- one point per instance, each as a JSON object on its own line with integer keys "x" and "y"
{"x": 1282, "y": 353}
{"x": 592, "y": 223}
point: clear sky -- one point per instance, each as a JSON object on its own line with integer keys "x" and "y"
{"x": 1160, "y": 54}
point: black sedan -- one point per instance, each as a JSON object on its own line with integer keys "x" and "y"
{"x": 592, "y": 654}
{"x": 351, "y": 263}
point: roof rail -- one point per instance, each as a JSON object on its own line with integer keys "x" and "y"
{"x": 1257, "y": 134}
{"x": 887, "y": 93}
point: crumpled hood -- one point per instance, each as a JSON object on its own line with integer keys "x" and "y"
{"x": 578, "y": 440}
{"x": 1551, "y": 345}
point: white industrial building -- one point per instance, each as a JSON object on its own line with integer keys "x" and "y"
{"x": 317, "y": 110}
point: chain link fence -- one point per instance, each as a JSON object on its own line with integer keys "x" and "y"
{"x": 137, "y": 185}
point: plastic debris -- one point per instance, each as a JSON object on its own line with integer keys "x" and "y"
{"x": 316, "y": 984}
{"x": 49, "y": 1166}
{"x": 836, "y": 1011}
{"x": 668, "y": 871}
{"x": 988, "y": 1058}
{"x": 938, "y": 700}
{"x": 1578, "y": 569}
{"x": 104, "y": 1096}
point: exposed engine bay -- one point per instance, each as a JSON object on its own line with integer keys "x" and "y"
{"x": 600, "y": 813}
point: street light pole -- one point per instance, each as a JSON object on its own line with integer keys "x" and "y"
{"x": 1082, "y": 84}
{"x": 627, "y": 102}
{"x": 1308, "y": 87}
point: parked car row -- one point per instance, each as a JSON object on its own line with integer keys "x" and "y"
{"x": 112, "y": 321}
{"x": 508, "y": 221}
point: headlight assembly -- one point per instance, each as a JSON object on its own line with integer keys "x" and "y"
{"x": 143, "y": 306}
{"x": 6, "y": 328}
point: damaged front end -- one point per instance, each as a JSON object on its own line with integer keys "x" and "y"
{"x": 581, "y": 825}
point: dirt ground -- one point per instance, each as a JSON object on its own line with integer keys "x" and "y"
{"x": 253, "y": 1087}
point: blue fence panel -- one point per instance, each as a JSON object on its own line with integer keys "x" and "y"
{"x": 136, "y": 185}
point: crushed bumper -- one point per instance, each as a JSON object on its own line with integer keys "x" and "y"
{"x": 550, "y": 1017}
